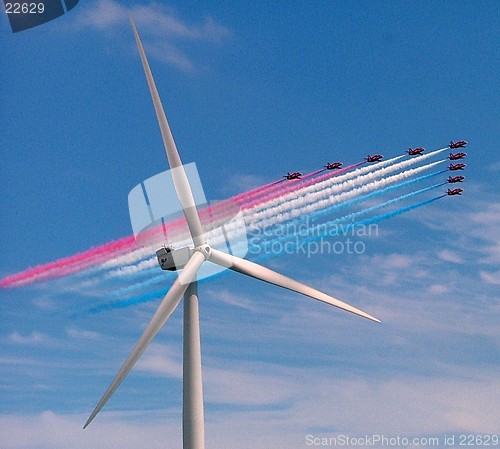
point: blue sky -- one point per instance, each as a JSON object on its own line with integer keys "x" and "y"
{"x": 252, "y": 90}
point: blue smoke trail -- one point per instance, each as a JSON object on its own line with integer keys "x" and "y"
{"x": 371, "y": 195}
{"x": 151, "y": 277}
{"x": 147, "y": 273}
{"x": 255, "y": 248}
{"x": 135, "y": 300}
{"x": 350, "y": 226}
{"x": 153, "y": 280}
{"x": 397, "y": 212}
{"x": 256, "y": 245}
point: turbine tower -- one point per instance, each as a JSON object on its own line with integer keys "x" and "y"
{"x": 186, "y": 286}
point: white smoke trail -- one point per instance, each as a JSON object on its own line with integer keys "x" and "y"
{"x": 332, "y": 195}
{"x": 358, "y": 176}
{"x": 303, "y": 201}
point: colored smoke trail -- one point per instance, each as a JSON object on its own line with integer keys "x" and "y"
{"x": 114, "y": 255}
{"x": 282, "y": 238}
{"x": 128, "y": 261}
{"x": 295, "y": 224}
{"x": 334, "y": 194}
{"x": 133, "y": 301}
{"x": 322, "y": 204}
{"x": 371, "y": 172}
{"x": 69, "y": 265}
{"x": 401, "y": 211}
{"x": 318, "y": 183}
{"x": 336, "y": 185}
{"x": 157, "y": 294}
{"x": 319, "y": 230}
{"x": 378, "y": 193}
{"x": 248, "y": 201}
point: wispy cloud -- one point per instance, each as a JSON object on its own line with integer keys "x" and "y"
{"x": 160, "y": 25}
{"x": 240, "y": 182}
{"x": 491, "y": 278}
{"x": 161, "y": 359}
{"x": 82, "y": 334}
{"x": 449, "y": 256}
{"x": 324, "y": 407}
{"x": 476, "y": 235}
{"x": 438, "y": 289}
{"x": 35, "y": 338}
{"x": 248, "y": 384}
{"x": 236, "y": 300}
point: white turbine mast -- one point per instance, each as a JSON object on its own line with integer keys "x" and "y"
{"x": 186, "y": 285}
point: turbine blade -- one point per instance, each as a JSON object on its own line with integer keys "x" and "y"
{"x": 180, "y": 179}
{"x": 167, "y": 306}
{"x": 265, "y": 274}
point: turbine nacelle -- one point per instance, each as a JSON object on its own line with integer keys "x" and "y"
{"x": 173, "y": 259}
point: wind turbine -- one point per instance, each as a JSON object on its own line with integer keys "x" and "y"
{"x": 186, "y": 285}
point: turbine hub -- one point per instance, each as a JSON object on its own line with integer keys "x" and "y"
{"x": 204, "y": 249}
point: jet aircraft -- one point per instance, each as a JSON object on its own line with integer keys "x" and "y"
{"x": 295, "y": 175}
{"x": 456, "y": 156}
{"x": 374, "y": 158}
{"x": 458, "y": 144}
{"x": 415, "y": 151}
{"x": 333, "y": 165}
{"x": 454, "y": 167}
{"x": 454, "y": 179}
{"x": 454, "y": 192}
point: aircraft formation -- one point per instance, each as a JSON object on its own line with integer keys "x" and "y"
{"x": 417, "y": 151}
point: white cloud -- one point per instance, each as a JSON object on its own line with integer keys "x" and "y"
{"x": 450, "y": 256}
{"x": 494, "y": 167}
{"x": 159, "y": 25}
{"x": 438, "y": 289}
{"x": 234, "y": 299}
{"x": 49, "y": 430}
{"x": 166, "y": 52}
{"x": 475, "y": 238}
{"x": 160, "y": 359}
{"x": 44, "y": 303}
{"x": 490, "y": 278}
{"x": 81, "y": 334}
{"x": 35, "y": 338}
{"x": 247, "y": 384}
{"x": 406, "y": 406}
{"x": 240, "y": 182}
{"x": 103, "y": 14}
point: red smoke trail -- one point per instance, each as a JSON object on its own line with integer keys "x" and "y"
{"x": 278, "y": 186}
{"x": 71, "y": 264}
{"x": 300, "y": 184}
{"x": 108, "y": 251}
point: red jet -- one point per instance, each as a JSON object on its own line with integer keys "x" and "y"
{"x": 453, "y": 179}
{"x": 333, "y": 165}
{"x": 374, "y": 158}
{"x": 454, "y": 167}
{"x": 456, "y": 156}
{"x": 415, "y": 151}
{"x": 458, "y": 144}
{"x": 294, "y": 175}
{"x": 455, "y": 192}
